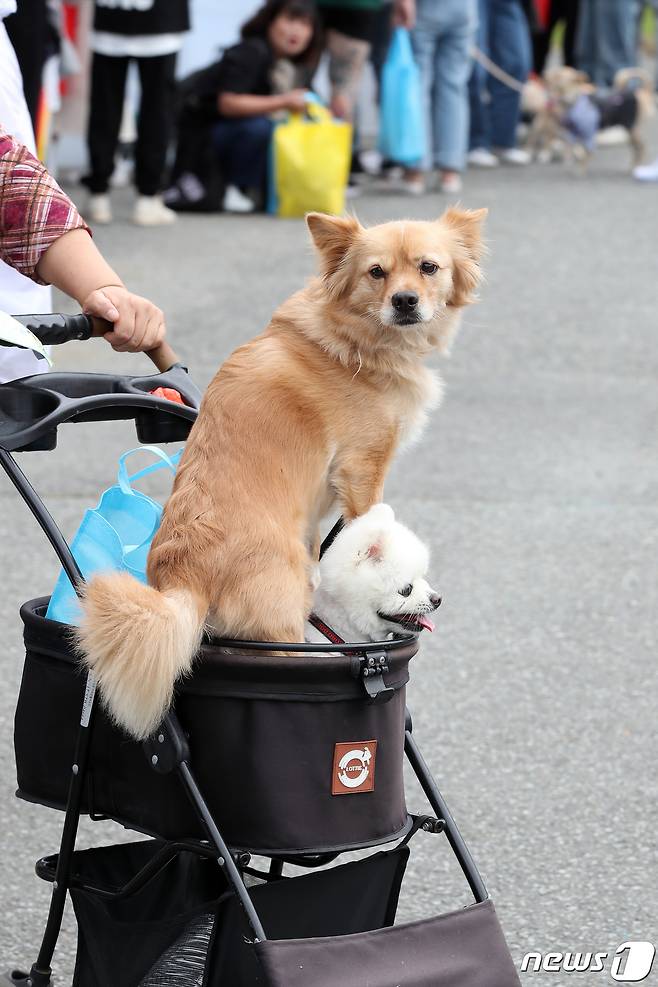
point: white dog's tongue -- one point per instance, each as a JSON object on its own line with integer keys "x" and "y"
{"x": 425, "y": 622}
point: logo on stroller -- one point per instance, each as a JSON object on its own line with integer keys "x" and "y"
{"x": 354, "y": 767}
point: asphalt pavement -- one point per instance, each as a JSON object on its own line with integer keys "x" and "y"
{"x": 536, "y": 486}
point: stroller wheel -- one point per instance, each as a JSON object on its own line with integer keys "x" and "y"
{"x": 14, "y": 977}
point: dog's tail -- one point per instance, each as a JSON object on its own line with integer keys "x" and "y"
{"x": 638, "y": 81}
{"x": 137, "y": 641}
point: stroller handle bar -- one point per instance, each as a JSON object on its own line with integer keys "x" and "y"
{"x": 56, "y": 329}
{"x": 32, "y": 408}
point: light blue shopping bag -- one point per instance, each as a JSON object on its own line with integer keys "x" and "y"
{"x": 115, "y": 535}
{"x": 402, "y": 136}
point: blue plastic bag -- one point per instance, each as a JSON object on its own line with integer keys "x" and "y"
{"x": 402, "y": 136}
{"x": 115, "y": 535}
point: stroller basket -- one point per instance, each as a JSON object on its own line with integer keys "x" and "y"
{"x": 291, "y": 752}
{"x": 185, "y": 929}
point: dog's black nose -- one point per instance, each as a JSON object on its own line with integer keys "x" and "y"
{"x": 404, "y": 301}
{"x": 435, "y": 600}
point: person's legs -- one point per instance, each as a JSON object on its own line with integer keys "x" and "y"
{"x": 541, "y": 43}
{"x": 511, "y": 50}
{"x": 154, "y": 123}
{"x": 381, "y": 39}
{"x": 242, "y": 146}
{"x": 480, "y": 129}
{"x": 617, "y": 30}
{"x": 423, "y": 40}
{"x": 571, "y": 14}
{"x": 108, "y": 81}
{"x": 17, "y": 293}
{"x": 29, "y": 32}
{"x": 560, "y": 10}
{"x": 452, "y": 68}
{"x": 586, "y": 42}
{"x": 347, "y": 58}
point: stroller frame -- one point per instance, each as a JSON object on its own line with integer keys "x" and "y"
{"x": 101, "y": 397}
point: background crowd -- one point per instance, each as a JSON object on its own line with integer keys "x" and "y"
{"x": 203, "y": 140}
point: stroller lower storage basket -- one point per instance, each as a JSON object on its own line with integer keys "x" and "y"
{"x": 325, "y": 928}
{"x": 270, "y": 739}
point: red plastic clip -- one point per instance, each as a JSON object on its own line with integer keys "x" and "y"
{"x": 169, "y": 393}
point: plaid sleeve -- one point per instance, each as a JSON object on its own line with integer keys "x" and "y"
{"x": 34, "y": 211}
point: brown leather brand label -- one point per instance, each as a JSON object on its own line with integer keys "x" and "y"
{"x": 354, "y": 768}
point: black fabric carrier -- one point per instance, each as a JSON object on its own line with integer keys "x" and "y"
{"x": 263, "y": 735}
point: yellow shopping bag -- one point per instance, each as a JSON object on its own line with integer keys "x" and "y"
{"x": 310, "y": 161}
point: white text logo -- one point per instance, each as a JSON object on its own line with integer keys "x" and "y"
{"x": 632, "y": 962}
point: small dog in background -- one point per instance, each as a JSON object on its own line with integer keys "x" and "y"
{"x": 571, "y": 111}
{"x": 372, "y": 581}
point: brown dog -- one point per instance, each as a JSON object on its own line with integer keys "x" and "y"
{"x": 306, "y": 416}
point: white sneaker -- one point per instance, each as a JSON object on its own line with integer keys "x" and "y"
{"x": 412, "y": 186}
{"x": 451, "y": 183}
{"x": 150, "y": 210}
{"x": 236, "y": 201}
{"x": 122, "y": 175}
{"x": 352, "y": 191}
{"x": 646, "y": 173}
{"x": 481, "y": 157}
{"x": 514, "y": 156}
{"x": 99, "y": 210}
{"x": 371, "y": 162}
{"x": 406, "y": 185}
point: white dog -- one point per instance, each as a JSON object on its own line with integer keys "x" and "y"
{"x": 372, "y": 581}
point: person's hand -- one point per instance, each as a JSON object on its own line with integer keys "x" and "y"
{"x": 341, "y": 106}
{"x": 139, "y": 325}
{"x": 295, "y": 100}
{"x": 404, "y": 13}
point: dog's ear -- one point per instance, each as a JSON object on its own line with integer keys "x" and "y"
{"x": 383, "y": 513}
{"x": 465, "y": 225}
{"x": 373, "y": 552}
{"x": 332, "y": 237}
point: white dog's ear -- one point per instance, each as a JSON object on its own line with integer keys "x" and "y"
{"x": 374, "y": 552}
{"x": 381, "y": 512}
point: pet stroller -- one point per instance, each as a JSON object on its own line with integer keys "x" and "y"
{"x": 296, "y": 759}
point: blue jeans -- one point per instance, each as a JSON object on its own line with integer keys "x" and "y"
{"x": 504, "y": 36}
{"x": 442, "y": 40}
{"x": 242, "y": 146}
{"x": 607, "y": 38}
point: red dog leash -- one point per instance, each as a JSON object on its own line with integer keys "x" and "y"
{"x": 325, "y": 629}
